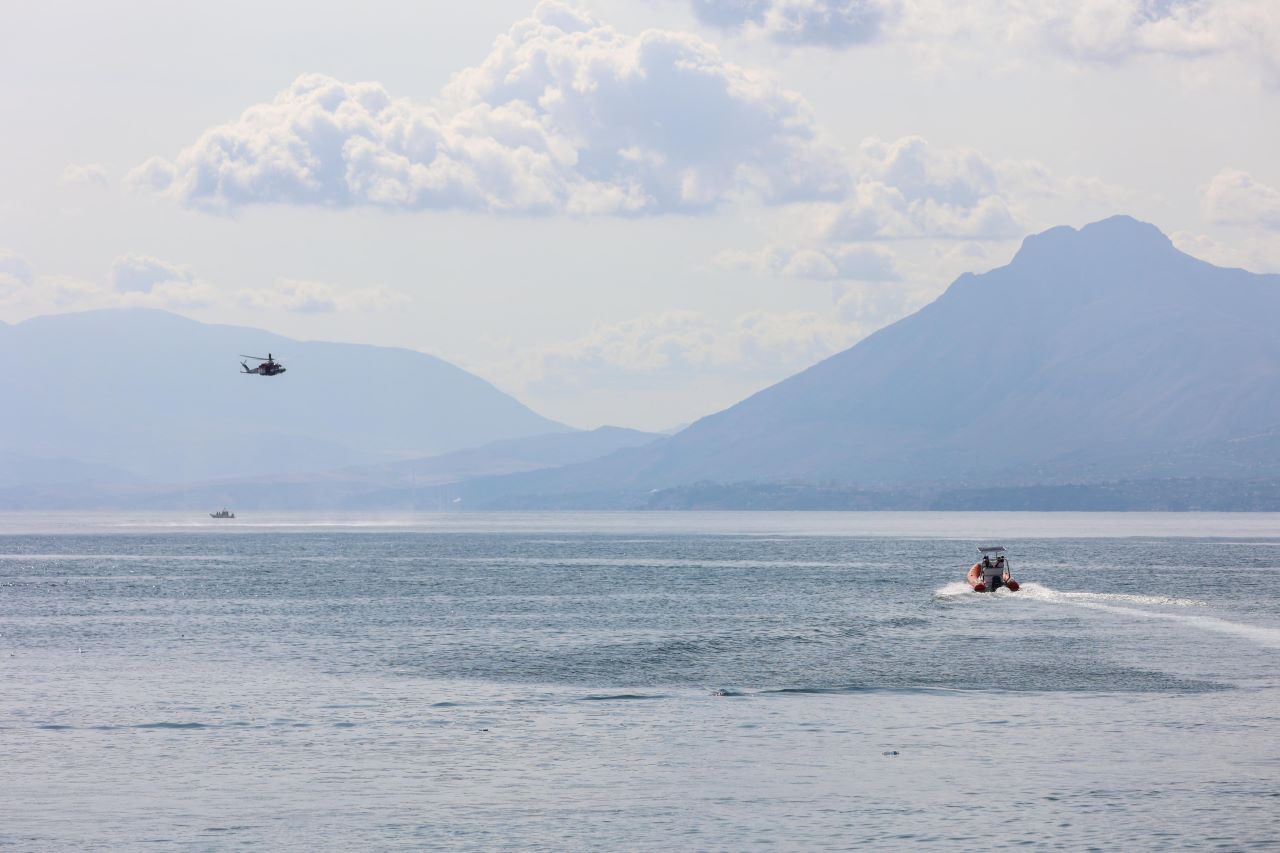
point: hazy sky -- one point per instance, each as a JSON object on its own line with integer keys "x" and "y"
{"x": 631, "y": 213}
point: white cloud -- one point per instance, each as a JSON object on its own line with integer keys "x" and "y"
{"x": 1087, "y": 31}
{"x": 133, "y": 273}
{"x": 144, "y": 281}
{"x": 1246, "y": 33}
{"x": 1260, "y": 254}
{"x": 911, "y": 189}
{"x": 21, "y": 287}
{"x": 136, "y": 279}
{"x": 957, "y": 176}
{"x": 87, "y": 174}
{"x": 317, "y": 297}
{"x": 872, "y": 306}
{"x": 830, "y": 23}
{"x": 908, "y": 189}
{"x": 565, "y": 114}
{"x": 944, "y": 211}
{"x": 689, "y": 360}
{"x": 66, "y": 292}
{"x": 880, "y": 211}
{"x": 302, "y": 297}
{"x": 1116, "y": 30}
{"x": 16, "y": 274}
{"x": 1233, "y": 197}
{"x": 847, "y": 262}
{"x": 676, "y": 344}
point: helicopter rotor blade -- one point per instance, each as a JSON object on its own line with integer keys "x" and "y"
{"x": 258, "y": 357}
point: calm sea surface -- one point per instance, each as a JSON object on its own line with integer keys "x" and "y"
{"x": 697, "y": 681}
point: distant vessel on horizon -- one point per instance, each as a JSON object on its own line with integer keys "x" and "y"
{"x": 222, "y": 513}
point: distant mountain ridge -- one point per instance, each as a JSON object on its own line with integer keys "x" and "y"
{"x": 408, "y": 484}
{"x": 1097, "y": 354}
{"x": 161, "y": 397}
{"x": 1100, "y": 368}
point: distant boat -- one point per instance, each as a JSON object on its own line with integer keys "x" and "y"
{"x": 222, "y": 513}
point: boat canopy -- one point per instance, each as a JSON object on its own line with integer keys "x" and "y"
{"x": 992, "y": 549}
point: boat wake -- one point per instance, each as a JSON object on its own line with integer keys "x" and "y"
{"x": 1040, "y": 592}
{"x": 955, "y": 589}
{"x": 1044, "y": 593}
{"x": 1114, "y": 603}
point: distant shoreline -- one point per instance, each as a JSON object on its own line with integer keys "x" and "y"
{"x": 1175, "y": 495}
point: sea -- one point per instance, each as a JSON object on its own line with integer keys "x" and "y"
{"x": 634, "y": 682}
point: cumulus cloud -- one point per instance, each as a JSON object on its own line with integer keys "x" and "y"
{"x": 303, "y": 297}
{"x": 317, "y": 297}
{"x": 136, "y": 279}
{"x": 1233, "y": 197}
{"x": 133, "y": 273}
{"x": 16, "y": 273}
{"x": 846, "y": 262}
{"x": 937, "y": 208}
{"x": 960, "y": 177}
{"x": 565, "y": 114}
{"x": 880, "y": 211}
{"x": 830, "y": 23}
{"x": 676, "y": 344}
{"x": 141, "y": 280}
{"x": 909, "y": 188}
{"x": 1114, "y": 30}
{"x": 87, "y": 174}
{"x": 671, "y": 347}
{"x": 1088, "y": 31}
{"x": 22, "y": 287}
{"x": 870, "y": 305}
{"x": 1260, "y": 254}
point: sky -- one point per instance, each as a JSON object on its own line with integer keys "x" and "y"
{"x": 631, "y": 213}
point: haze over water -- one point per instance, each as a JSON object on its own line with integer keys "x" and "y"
{"x": 695, "y": 681}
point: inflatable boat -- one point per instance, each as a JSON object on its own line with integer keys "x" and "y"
{"x": 992, "y": 571}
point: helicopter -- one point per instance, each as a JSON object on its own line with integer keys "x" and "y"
{"x": 268, "y": 367}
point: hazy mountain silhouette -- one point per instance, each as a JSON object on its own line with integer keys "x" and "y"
{"x": 17, "y": 469}
{"x": 509, "y": 456}
{"x": 406, "y": 484}
{"x": 161, "y": 396}
{"x": 1096, "y": 354}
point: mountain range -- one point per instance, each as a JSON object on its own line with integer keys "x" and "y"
{"x": 138, "y": 394}
{"x": 1101, "y": 361}
{"x": 1097, "y": 354}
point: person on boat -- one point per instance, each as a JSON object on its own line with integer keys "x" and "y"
{"x": 986, "y": 576}
{"x": 1005, "y": 574}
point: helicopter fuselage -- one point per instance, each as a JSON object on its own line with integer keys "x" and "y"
{"x": 265, "y": 370}
{"x": 269, "y": 367}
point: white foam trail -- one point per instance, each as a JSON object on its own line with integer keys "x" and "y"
{"x": 1035, "y": 590}
{"x": 952, "y": 590}
{"x": 956, "y": 589}
{"x": 1263, "y": 636}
